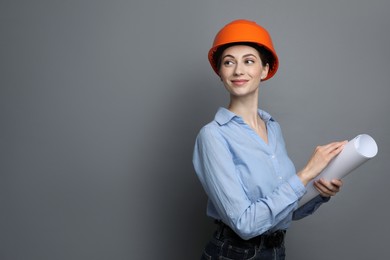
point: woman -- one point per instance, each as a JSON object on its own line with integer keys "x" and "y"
{"x": 241, "y": 159}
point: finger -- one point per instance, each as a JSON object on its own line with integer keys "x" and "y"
{"x": 336, "y": 144}
{"x": 333, "y": 150}
{"x": 325, "y": 188}
{"x": 337, "y": 182}
{"x": 323, "y": 192}
{"x": 329, "y": 185}
{"x": 335, "y": 147}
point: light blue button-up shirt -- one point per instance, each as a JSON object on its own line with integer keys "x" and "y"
{"x": 252, "y": 186}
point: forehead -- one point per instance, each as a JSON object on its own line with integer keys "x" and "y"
{"x": 240, "y": 50}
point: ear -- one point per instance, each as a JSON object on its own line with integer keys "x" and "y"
{"x": 264, "y": 72}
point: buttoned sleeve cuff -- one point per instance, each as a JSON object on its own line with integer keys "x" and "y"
{"x": 310, "y": 207}
{"x": 297, "y": 186}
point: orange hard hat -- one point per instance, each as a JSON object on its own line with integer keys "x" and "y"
{"x": 244, "y": 31}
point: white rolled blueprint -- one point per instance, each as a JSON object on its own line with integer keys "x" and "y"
{"x": 356, "y": 152}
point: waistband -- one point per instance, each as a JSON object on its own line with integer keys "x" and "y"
{"x": 268, "y": 240}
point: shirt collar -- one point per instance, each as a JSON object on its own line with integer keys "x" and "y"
{"x": 224, "y": 115}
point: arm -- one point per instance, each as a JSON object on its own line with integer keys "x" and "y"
{"x": 326, "y": 189}
{"x": 309, "y": 208}
{"x": 216, "y": 170}
{"x": 319, "y": 160}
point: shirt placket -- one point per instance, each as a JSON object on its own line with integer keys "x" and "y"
{"x": 273, "y": 155}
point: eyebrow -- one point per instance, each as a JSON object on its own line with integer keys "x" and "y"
{"x": 245, "y": 56}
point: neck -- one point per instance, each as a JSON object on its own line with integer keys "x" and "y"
{"x": 246, "y": 107}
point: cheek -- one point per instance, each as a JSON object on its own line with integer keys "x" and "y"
{"x": 256, "y": 74}
{"x": 223, "y": 75}
{"x": 260, "y": 73}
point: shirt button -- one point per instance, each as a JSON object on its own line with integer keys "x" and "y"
{"x": 280, "y": 178}
{"x": 272, "y": 156}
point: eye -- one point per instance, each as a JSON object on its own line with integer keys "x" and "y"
{"x": 249, "y": 61}
{"x": 228, "y": 63}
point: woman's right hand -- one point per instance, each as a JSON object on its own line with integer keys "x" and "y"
{"x": 320, "y": 158}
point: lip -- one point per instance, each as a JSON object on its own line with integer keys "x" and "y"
{"x": 239, "y": 82}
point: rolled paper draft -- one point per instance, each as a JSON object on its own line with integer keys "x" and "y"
{"x": 356, "y": 152}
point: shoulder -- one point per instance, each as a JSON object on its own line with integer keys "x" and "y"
{"x": 213, "y": 128}
{"x": 215, "y": 135}
{"x": 209, "y": 131}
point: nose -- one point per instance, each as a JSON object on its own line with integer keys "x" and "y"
{"x": 238, "y": 69}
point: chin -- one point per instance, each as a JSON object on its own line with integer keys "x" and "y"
{"x": 242, "y": 92}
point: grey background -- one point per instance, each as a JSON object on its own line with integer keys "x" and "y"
{"x": 100, "y": 103}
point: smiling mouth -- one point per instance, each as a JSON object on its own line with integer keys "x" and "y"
{"x": 239, "y": 82}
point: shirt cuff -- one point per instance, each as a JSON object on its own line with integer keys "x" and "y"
{"x": 323, "y": 199}
{"x": 297, "y": 186}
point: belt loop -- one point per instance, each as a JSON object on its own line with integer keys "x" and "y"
{"x": 261, "y": 243}
{"x": 220, "y": 229}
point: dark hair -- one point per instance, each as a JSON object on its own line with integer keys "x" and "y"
{"x": 265, "y": 55}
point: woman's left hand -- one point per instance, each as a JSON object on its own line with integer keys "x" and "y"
{"x": 328, "y": 188}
